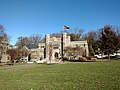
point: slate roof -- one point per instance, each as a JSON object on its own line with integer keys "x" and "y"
{"x": 32, "y": 46}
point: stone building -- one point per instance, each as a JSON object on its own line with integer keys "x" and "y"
{"x": 4, "y": 46}
{"x": 52, "y": 47}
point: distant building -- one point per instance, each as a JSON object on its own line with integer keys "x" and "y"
{"x": 4, "y": 46}
{"x": 53, "y": 45}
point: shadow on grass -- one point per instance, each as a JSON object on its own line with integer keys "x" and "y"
{"x": 50, "y": 64}
{"x": 82, "y": 61}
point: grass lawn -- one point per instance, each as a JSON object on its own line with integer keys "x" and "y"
{"x": 66, "y": 76}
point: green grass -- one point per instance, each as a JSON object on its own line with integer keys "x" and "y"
{"x": 66, "y": 76}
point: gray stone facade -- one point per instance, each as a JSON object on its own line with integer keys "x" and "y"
{"x": 53, "y": 45}
{"x": 4, "y": 57}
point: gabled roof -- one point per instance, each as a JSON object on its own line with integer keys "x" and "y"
{"x": 24, "y": 47}
{"x": 32, "y": 46}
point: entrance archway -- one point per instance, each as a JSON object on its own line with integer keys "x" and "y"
{"x": 56, "y": 55}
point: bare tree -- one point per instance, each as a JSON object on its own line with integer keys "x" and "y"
{"x": 2, "y": 31}
{"x": 57, "y": 35}
{"x": 35, "y": 39}
{"x": 75, "y": 33}
{"x": 4, "y": 39}
{"x": 92, "y": 38}
{"x": 22, "y": 41}
{"x": 15, "y": 54}
{"x": 28, "y": 41}
{"x": 3, "y": 34}
{"x": 74, "y": 51}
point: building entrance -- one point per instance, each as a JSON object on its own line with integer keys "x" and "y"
{"x": 56, "y": 55}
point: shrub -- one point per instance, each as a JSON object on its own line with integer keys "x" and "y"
{"x": 41, "y": 58}
{"x": 82, "y": 59}
{"x": 65, "y": 59}
{"x": 90, "y": 57}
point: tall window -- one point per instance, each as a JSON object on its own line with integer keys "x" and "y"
{"x": 56, "y": 46}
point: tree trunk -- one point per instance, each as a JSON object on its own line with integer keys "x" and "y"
{"x": 108, "y": 56}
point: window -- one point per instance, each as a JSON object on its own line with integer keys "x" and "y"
{"x": 42, "y": 46}
{"x": 4, "y": 47}
{"x": 7, "y": 58}
{"x": 56, "y": 46}
{"x": 84, "y": 44}
{"x": 81, "y": 45}
{"x": 77, "y": 44}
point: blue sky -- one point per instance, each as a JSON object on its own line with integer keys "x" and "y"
{"x": 27, "y": 17}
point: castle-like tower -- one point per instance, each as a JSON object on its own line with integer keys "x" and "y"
{"x": 4, "y": 57}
